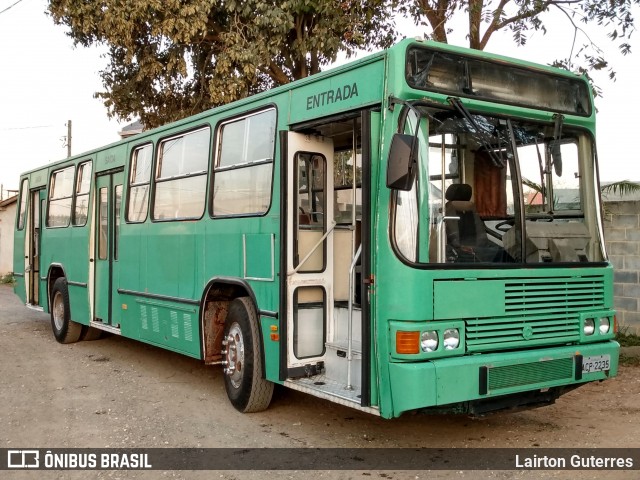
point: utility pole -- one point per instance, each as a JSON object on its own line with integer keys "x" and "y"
{"x": 68, "y": 138}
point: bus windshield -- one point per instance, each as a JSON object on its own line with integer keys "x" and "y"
{"x": 497, "y": 190}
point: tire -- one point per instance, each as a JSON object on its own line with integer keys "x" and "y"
{"x": 246, "y": 388}
{"x": 91, "y": 333}
{"x": 64, "y": 329}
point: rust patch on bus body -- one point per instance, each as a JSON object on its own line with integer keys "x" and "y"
{"x": 214, "y": 317}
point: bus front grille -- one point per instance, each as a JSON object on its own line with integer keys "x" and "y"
{"x": 538, "y": 312}
{"x": 510, "y": 376}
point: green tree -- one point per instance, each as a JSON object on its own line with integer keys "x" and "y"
{"x": 171, "y": 58}
{"x": 520, "y": 17}
{"x": 624, "y": 187}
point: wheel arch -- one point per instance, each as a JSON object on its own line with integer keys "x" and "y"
{"x": 214, "y": 305}
{"x": 65, "y": 330}
{"x": 56, "y": 271}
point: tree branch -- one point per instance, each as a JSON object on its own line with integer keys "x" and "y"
{"x": 493, "y": 26}
{"x": 437, "y": 18}
{"x": 530, "y": 13}
{"x": 277, "y": 74}
{"x": 475, "y": 18}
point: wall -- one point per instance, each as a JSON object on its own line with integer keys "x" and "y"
{"x": 7, "y": 220}
{"x": 622, "y": 236}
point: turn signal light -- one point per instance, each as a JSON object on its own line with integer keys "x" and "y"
{"x": 407, "y": 342}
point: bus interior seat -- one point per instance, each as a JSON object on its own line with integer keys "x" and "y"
{"x": 466, "y": 237}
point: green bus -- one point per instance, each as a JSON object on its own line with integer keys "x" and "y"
{"x": 418, "y": 230}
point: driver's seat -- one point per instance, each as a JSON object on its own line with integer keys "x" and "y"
{"x": 466, "y": 238}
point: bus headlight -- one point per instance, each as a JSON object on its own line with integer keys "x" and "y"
{"x": 451, "y": 339}
{"x": 429, "y": 341}
{"x": 589, "y": 326}
{"x": 605, "y": 325}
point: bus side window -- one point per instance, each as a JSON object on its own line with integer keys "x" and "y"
{"x": 139, "y": 179}
{"x": 24, "y": 193}
{"x": 60, "y": 197}
{"x": 181, "y": 177}
{"x": 83, "y": 185}
{"x": 244, "y": 165}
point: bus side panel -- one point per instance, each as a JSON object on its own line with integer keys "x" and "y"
{"x": 271, "y": 342}
{"x": 172, "y": 271}
{"x": 55, "y": 250}
{"x": 133, "y": 271}
{"x": 75, "y": 258}
{"x": 231, "y": 243}
{"x": 261, "y": 259}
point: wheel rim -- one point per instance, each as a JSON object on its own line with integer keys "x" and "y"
{"x": 58, "y": 311}
{"x": 234, "y": 356}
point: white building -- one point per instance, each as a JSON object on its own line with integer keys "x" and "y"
{"x": 7, "y": 221}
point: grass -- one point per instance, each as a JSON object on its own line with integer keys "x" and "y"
{"x": 629, "y": 361}
{"x": 7, "y": 279}
{"x": 626, "y": 339}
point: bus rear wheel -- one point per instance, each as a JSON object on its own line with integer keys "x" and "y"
{"x": 64, "y": 329}
{"x": 244, "y": 380}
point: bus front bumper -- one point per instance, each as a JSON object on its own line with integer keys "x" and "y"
{"x": 452, "y": 381}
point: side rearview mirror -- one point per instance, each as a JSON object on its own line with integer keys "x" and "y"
{"x": 402, "y": 164}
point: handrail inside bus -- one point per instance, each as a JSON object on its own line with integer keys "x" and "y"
{"x": 308, "y": 255}
{"x": 350, "y": 317}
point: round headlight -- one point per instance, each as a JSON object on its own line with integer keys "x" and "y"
{"x": 429, "y": 341}
{"x": 589, "y": 326}
{"x": 451, "y": 338}
{"x": 604, "y": 325}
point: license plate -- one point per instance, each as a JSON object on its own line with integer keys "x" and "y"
{"x": 596, "y": 363}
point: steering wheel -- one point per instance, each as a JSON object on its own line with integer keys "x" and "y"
{"x": 500, "y": 225}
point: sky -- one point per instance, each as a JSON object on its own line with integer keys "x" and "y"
{"x": 45, "y": 81}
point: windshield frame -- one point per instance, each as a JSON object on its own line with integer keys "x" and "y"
{"x": 585, "y": 213}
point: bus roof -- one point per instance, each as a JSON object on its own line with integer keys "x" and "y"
{"x": 357, "y": 64}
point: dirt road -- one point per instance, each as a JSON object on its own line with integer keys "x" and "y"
{"x": 119, "y": 393}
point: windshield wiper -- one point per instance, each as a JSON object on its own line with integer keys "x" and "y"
{"x": 496, "y": 159}
{"x": 554, "y": 146}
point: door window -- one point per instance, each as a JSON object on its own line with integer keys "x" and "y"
{"x": 310, "y": 190}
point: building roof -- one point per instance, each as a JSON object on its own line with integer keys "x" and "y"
{"x": 131, "y": 129}
{"x": 7, "y": 202}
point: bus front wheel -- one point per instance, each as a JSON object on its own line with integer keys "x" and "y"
{"x": 64, "y": 329}
{"x": 246, "y": 388}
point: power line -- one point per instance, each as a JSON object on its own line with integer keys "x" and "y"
{"x": 25, "y": 128}
{"x": 10, "y": 7}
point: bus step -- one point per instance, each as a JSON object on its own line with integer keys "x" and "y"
{"x": 328, "y": 386}
{"x": 105, "y": 327}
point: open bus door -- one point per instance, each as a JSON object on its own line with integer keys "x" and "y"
{"x": 32, "y": 246}
{"x": 309, "y": 252}
{"x": 27, "y": 244}
{"x": 316, "y": 274}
